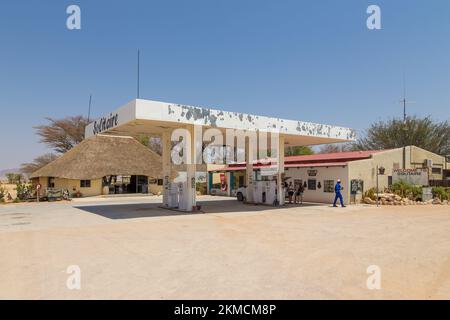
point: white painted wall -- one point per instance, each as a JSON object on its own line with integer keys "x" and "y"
{"x": 323, "y": 173}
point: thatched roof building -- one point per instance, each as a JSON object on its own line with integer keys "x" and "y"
{"x": 101, "y": 156}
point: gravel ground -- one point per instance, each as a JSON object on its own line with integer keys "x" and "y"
{"x": 129, "y": 248}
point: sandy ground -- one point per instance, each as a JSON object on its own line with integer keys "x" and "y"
{"x": 11, "y": 188}
{"x": 130, "y": 249}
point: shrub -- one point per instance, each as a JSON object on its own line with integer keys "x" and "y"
{"x": 2, "y": 194}
{"x": 415, "y": 193}
{"x": 400, "y": 188}
{"x": 441, "y": 193}
{"x": 371, "y": 194}
{"x": 23, "y": 190}
{"x": 406, "y": 190}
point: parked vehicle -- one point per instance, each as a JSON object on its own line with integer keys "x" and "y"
{"x": 241, "y": 193}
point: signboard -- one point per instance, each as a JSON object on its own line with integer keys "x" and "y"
{"x": 105, "y": 123}
{"x": 38, "y": 187}
{"x": 356, "y": 186}
{"x": 312, "y": 172}
{"x": 223, "y": 182}
{"x": 411, "y": 176}
{"x": 166, "y": 183}
{"x": 268, "y": 171}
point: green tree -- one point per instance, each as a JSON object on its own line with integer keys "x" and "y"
{"x": 336, "y": 147}
{"x": 421, "y": 132}
{"x": 14, "y": 178}
{"x": 298, "y": 151}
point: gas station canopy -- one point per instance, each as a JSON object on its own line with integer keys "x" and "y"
{"x": 147, "y": 117}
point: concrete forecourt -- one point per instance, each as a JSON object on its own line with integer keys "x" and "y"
{"x": 129, "y": 248}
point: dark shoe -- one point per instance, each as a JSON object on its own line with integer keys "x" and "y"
{"x": 334, "y": 206}
{"x": 344, "y": 206}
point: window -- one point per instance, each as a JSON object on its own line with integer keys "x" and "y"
{"x": 436, "y": 170}
{"x": 241, "y": 181}
{"x": 328, "y": 186}
{"x": 85, "y": 183}
{"x": 160, "y": 182}
{"x": 51, "y": 182}
{"x": 312, "y": 184}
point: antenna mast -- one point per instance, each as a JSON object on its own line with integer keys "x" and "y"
{"x": 89, "y": 110}
{"x": 404, "y": 102}
{"x": 138, "y": 72}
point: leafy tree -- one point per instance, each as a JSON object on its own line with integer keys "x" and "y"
{"x": 298, "y": 151}
{"x": 334, "y": 148}
{"x": 10, "y": 177}
{"x": 421, "y": 132}
{"x": 153, "y": 142}
{"x": 14, "y": 178}
{"x": 2, "y": 194}
{"x": 62, "y": 134}
{"x": 37, "y": 163}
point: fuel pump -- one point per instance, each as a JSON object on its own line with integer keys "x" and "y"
{"x": 174, "y": 195}
{"x": 265, "y": 192}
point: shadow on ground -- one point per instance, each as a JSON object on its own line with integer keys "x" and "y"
{"x": 143, "y": 210}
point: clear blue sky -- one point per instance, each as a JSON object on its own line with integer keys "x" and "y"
{"x": 307, "y": 60}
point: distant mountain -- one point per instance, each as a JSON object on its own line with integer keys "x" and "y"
{"x": 5, "y": 171}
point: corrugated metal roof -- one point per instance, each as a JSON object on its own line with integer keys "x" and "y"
{"x": 314, "y": 160}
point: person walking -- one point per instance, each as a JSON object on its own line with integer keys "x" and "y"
{"x": 337, "y": 191}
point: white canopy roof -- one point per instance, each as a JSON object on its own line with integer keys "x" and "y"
{"x": 146, "y": 117}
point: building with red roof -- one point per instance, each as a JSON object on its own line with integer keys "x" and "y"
{"x": 318, "y": 173}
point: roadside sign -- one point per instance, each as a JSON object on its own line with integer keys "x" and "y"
{"x": 412, "y": 176}
{"x": 38, "y": 187}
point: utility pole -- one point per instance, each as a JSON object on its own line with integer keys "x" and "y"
{"x": 138, "y": 72}
{"x": 89, "y": 110}
{"x": 404, "y": 102}
{"x": 404, "y": 133}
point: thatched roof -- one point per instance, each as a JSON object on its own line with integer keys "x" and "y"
{"x": 101, "y": 156}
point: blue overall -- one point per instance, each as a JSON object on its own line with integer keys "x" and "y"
{"x": 337, "y": 190}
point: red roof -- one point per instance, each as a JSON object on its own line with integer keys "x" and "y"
{"x": 337, "y": 156}
{"x": 314, "y": 160}
{"x": 321, "y": 164}
{"x": 290, "y": 165}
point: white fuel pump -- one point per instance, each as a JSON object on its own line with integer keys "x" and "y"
{"x": 183, "y": 196}
{"x": 270, "y": 188}
{"x": 265, "y": 192}
{"x": 258, "y": 190}
{"x": 174, "y": 195}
